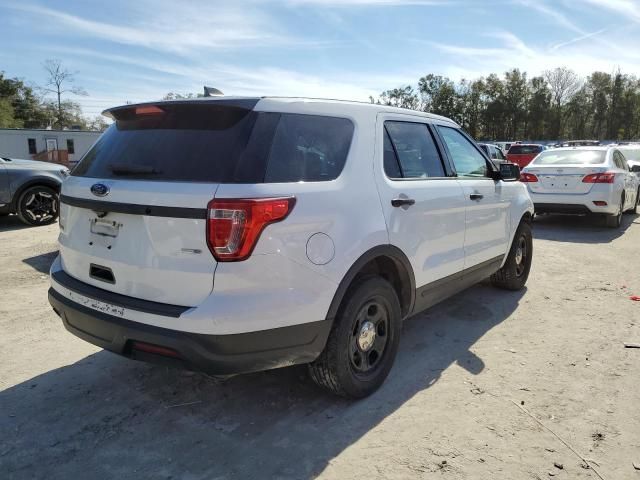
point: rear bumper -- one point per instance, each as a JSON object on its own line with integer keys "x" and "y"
{"x": 213, "y": 354}
{"x": 561, "y": 208}
{"x": 579, "y": 204}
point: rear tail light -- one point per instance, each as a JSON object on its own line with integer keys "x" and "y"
{"x": 234, "y": 225}
{"x": 606, "y": 177}
{"x": 600, "y": 203}
{"x": 528, "y": 177}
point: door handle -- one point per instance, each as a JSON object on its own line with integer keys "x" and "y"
{"x": 476, "y": 196}
{"x": 401, "y": 202}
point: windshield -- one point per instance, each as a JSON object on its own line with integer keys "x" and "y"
{"x": 571, "y": 157}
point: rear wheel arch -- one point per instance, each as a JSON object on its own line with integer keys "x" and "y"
{"x": 35, "y": 182}
{"x": 386, "y": 261}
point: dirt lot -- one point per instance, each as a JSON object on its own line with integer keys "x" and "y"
{"x": 450, "y": 409}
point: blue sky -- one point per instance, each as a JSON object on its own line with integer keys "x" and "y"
{"x": 139, "y": 50}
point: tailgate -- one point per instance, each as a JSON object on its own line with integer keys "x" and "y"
{"x": 133, "y": 212}
{"x": 147, "y": 241}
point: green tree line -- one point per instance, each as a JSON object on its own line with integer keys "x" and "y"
{"x": 25, "y": 106}
{"x": 555, "y": 105}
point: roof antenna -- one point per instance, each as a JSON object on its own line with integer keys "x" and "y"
{"x": 212, "y": 92}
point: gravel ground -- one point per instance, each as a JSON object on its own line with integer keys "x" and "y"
{"x": 480, "y": 384}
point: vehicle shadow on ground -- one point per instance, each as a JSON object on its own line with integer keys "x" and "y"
{"x": 42, "y": 263}
{"x": 9, "y": 223}
{"x": 108, "y": 417}
{"x": 579, "y": 229}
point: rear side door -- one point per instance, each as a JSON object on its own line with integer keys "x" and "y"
{"x": 628, "y": 179}
{"x": 422, "y": 201}
{"x": 487, "y": 201}
{"x": 5, "y": 192}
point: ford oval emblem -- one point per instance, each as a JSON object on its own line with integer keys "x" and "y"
{"x": 99, "y": 189}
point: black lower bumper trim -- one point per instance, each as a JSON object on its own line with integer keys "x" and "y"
{"x": 212, "y": 354}
{"x": 125, "y": 301}
{"x": 561, "y": 208}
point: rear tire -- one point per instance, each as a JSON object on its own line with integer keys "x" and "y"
{"x": 615, "y": 220}
{"x": 515, "y": 271}
{"x": 38, "y": 205}
{"x": 363, "y": 342}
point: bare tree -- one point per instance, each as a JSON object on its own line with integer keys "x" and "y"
{"x": 60, "y": 81}
{"x": 563, "y": 84}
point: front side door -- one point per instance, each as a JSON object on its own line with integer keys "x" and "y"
{"x": 422, "y": 201}
{"x": 487, "y": 200}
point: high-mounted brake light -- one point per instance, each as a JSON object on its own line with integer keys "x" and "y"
{"x": 234, "y": 225}
{"x": 606, "y": 177}
{"x": 528, "y": 177}
{"x": 149, "y": 110}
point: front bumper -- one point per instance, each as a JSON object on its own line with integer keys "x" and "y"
{"x": 212, "y": 354}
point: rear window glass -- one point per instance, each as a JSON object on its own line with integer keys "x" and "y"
{"x": 570, "y": 157}
{"x": 218, "y": 144}
{"x": 525, "y": 149}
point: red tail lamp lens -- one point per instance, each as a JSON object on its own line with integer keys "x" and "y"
{"x": 607, "y": 177}
{"x": 155, "y": 349}
{"x": 234, "y": 225}
{"x": 528, "y": 177}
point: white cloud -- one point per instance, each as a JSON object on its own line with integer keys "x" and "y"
{"x": 555, "y": 14}
{"x": 172, "y": 26}
{"x": 627, "y": 8}
{"x": 471, "y": 62}
{"x": 370, "y": 3}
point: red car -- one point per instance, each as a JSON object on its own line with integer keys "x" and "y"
{"x": 522, "y": 153}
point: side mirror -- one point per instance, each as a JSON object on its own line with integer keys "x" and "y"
{"x": 635, "y": 168}
{"x": 509, "y": 172}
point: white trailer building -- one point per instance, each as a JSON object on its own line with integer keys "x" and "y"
{"x": 59, "y": 146}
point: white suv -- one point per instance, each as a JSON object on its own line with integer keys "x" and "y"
{"x": 233, "y": 235}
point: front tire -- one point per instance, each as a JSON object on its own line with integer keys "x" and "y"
{"x": 514, "y": 273}
{"x": 38, "y": 205}
{"x": 363, "y": 342}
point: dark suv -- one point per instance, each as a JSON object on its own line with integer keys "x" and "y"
{"x": 30, "y": 189}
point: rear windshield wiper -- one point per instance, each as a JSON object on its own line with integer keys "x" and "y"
{"x": 132, "y": 169}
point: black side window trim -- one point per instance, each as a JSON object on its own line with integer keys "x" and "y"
{"x": 395, "y": 154}
{"x": 490, "y": 165}
{"x": 448, "y": 171}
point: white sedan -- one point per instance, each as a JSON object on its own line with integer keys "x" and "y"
{"x": 583, "y": 180}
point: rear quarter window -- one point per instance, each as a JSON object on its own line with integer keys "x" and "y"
{"x": 308, "y": 148}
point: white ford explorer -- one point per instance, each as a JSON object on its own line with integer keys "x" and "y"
{"x": 231, "y": 235}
